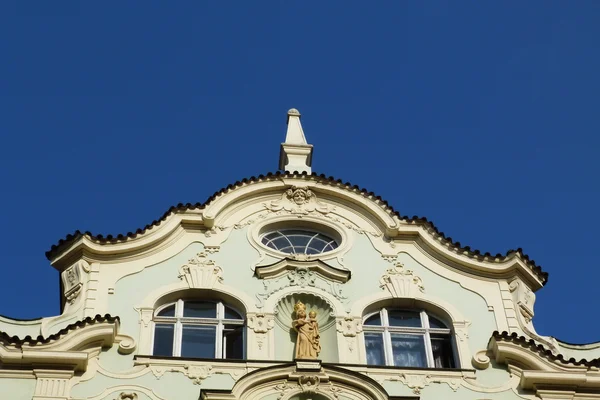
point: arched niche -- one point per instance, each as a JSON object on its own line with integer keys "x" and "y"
{"x": 285, "y": 335}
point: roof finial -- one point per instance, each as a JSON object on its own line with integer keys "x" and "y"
{"x": 296, "y": 153}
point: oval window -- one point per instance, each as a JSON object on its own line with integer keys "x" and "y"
{"x": 299, "y": 241}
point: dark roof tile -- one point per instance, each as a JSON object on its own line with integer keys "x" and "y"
{"x": 541, "y": 350}
{"x": 16, "y": 341}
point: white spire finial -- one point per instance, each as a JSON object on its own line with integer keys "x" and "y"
{"x": 296, "y": 153}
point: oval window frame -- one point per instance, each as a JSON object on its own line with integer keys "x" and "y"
{"x": 306, "y": 223}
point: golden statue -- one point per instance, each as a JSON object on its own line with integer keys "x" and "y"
{"x": 307, "y": 342}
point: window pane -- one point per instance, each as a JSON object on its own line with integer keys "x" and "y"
{"x": 404, "y": 318}
{"x": 167, "y": 311}
{"x": 230, "y": 314}
{"x": 299, "y": 241}
{"x": 374, "y": 345}
{"x": 163, "y": 340}
{"x": 198, "y": 341}
{"x": 234, "y": 342}
{"x": 408, "y": 351}
{"x": 199, "y": 309}
{"x": 374, "y": 320}
{"x": 436, "y": 323}
{"x": 442, "y": 351}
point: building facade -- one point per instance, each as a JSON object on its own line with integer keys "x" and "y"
{"x": 290, "y": 286}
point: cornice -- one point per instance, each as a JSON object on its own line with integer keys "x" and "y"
{"x": 69, "y": 348}
{"x": 203, "y": 214}
{"x": 15, "y": 341}
{"x": 289, "y": 264}
{"x": 521, "y": 348}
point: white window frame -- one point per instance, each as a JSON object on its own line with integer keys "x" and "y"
{"x": 308, "y": 233}
{"x": 425, "y": 331}
{"x": 179, "y": 321}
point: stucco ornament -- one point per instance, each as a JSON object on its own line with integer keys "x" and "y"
{"x": 308, "y": 344}
{"x": 261, "y": 323}
{"x": 300, "y": 277}
{"x": 298, "y": 200}
{"x": 127, "y": 396}
{"x": 197, "y": 373}
{"x": 415, "y": 382}
{"x": 72, "y": 281}
{"x": 401, "y": 282}
{"x": 349, "y": 326}
{"x": 524, "y": 298}
{"x": 200, "y": 272}
{"x": 481, "y": 360}
{"x": 309, "y": 383}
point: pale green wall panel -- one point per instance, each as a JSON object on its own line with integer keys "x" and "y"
{"x": 17, "y": 389}
{"x": 20, "y": 328}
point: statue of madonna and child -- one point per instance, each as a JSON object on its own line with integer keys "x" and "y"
{"x": 307, "y": 342}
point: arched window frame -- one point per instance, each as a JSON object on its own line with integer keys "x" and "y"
{"x": 327, "y": 243}
{"x": 425, "y": 330}
{"x": 219, "y": 322}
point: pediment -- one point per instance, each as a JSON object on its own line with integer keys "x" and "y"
{"x": 301, "y": 262}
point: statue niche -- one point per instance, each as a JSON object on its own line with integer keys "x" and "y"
{"x": 287, "y": 329}
{"x": 308, "y": 344}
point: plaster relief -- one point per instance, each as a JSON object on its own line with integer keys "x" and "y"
{"x": 127, "y": 396}
{"x": 401, "y": 282}
{"x": 349, "y": 326}
{"x": 298, "y": 200}
{"x": 72, "y": 282}
{"x": 415, "y": 382}
{"x": 201, "y": 272}
{"x": 260, "y": 324}
{"x": 524, "y": 298}
{"x": 299, "y": 277}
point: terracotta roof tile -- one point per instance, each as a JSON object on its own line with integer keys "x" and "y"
{"x": 448, "y": 241}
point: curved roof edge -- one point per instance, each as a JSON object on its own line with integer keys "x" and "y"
{"x": 578, "y": 346}
{"x": 456, "y": 246}
{"x": 531, "y": 344}
{"x": 16, "y": 341}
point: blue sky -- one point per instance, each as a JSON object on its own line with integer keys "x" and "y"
{"x": 481, "y": 116}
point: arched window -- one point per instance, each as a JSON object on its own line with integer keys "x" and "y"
{"x": 407, "y": 338}
{"x": 199, "y": 329}
{"x": 299, "y": 241}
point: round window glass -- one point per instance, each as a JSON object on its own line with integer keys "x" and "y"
{"x": 297, "y": 241}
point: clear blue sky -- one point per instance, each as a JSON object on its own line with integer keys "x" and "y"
{"x": 481, "y": 116}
